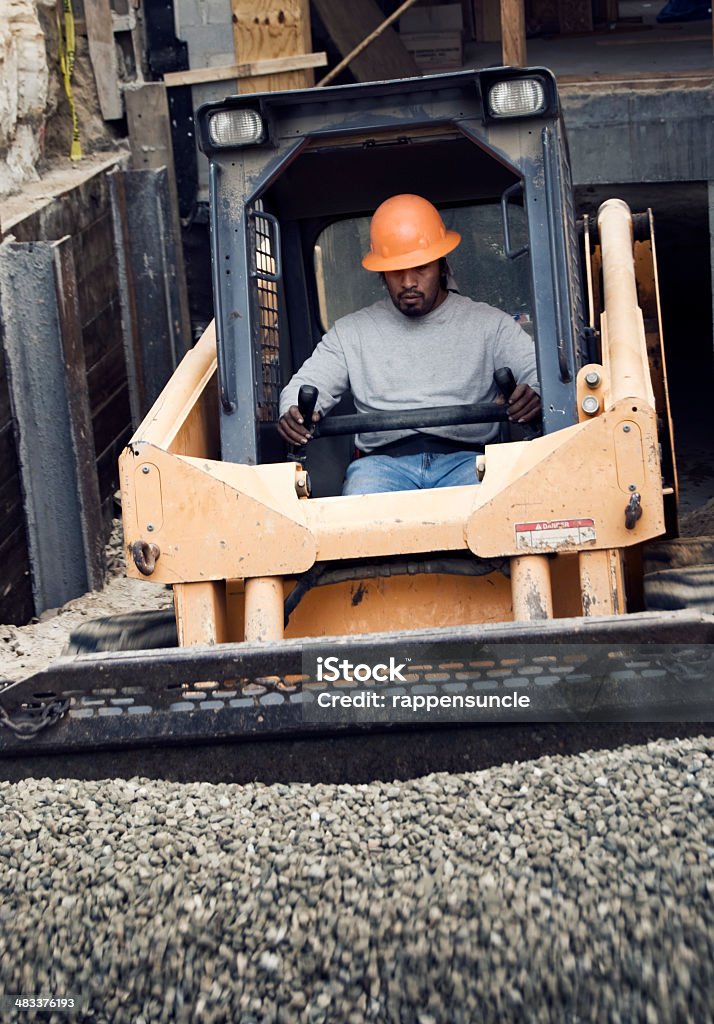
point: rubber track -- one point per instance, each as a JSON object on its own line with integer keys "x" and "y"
{"x": 132, "y": 631}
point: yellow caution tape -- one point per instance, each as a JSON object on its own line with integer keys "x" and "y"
{"x": 66, "y": 59}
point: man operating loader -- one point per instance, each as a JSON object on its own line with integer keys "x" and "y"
{"x": 421, "y": 346}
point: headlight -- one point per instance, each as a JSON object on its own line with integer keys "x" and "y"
{"x": 517, "y": 97}
{"x": 236, "y": 128}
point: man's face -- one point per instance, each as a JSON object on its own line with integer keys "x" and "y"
{"x": 416, "y": 291}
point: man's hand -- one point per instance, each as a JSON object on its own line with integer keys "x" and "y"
{"x": 292, "y": 428}
{"x": 524, "y": 404}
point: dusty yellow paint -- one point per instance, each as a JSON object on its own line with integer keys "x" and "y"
{"x": 554, "y": 505}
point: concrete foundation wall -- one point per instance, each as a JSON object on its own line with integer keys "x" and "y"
{"x": 655, "y": 136}
{"x": 621, "y": 135}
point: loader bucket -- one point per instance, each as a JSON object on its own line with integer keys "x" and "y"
{"x": 645, "y": 667}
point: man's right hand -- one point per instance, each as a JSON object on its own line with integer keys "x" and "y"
{"x": 292, "y": 428}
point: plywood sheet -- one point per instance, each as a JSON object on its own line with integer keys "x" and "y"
{"x": 272, "y": 28}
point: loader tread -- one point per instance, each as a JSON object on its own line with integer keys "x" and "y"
{"x": 678, "y": 554}
{"x": 689, "y": 586}
{"x": 131, "y": 631}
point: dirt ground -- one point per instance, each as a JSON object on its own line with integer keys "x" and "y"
{"x": 25, "y": 650}
{"x": 699, "y": 522}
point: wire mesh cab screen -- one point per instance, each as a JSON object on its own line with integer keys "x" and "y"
{"x": 265, "y": 272}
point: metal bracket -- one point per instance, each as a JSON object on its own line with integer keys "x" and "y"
{"x": 511, "y": 253}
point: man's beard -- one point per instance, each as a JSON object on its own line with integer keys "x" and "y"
{"x": 412, "y": 310}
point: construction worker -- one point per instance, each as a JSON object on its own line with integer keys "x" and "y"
{"x": 422, "y": 346}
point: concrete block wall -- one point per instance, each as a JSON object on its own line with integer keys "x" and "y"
{"x": 205, "y": 25}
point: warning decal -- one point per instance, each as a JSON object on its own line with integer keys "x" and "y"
{"x": 554, "y": 533}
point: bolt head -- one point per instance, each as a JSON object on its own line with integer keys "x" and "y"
{"x": 592, "y": 379}
{"x": 145, "y": 469}
{"x": 590, "y": 405}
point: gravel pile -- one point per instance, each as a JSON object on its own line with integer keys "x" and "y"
{"x": 568, "y": 889}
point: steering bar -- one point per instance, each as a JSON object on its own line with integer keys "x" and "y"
{"x": 434, "y": 416}
{"x": 437, "y": 416}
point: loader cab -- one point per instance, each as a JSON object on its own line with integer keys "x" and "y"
{"x": 294, "y": 180}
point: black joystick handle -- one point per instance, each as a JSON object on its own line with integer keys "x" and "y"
{"x": 505, "y": 381}
{"x": 307, "y": 400}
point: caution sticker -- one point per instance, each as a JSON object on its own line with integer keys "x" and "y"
{"x": 554, "y": 533}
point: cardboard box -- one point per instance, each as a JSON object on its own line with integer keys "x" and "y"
{"x": 434, "y": 36}
{"x": 441, "y": 18}
{"x": 435, "y": 51}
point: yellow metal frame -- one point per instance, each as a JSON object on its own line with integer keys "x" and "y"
{"x": 564, "y": 494}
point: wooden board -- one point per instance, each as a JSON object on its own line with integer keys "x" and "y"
{"x": 147, "y": 113}
{"x": 103, "y": 54}
{"x": 272, "y": 66}
{"x": 662, "y": 79}
{"x": 349, "y": 24}
{"x": 263, "y": 29}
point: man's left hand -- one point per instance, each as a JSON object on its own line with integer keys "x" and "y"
{"x": 524, "y": 404}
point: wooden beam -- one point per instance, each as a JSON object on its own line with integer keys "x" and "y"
{"x": 661, "y": 80}
{"x": 487, "y": 20}
{"x": 513, "y": 33}
{"x": 103, "y": 54}
{"x": 367, "y": 41}
{"x": 348, "y": 24}
{"x": 265, "y": 29}
{"x": 272, "y": 66}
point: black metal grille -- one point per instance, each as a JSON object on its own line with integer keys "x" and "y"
{"x": 268, "y": 317}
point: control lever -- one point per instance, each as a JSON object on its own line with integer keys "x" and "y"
{"x": 506, "y": 383}
{"x": 307, "y": 400}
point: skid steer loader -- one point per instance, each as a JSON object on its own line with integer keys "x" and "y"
{"x": 531, "y": 583}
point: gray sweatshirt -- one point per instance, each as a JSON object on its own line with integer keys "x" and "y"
{"x": 393, "y": 362}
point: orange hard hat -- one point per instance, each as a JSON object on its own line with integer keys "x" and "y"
{"x": 407, "y": 231}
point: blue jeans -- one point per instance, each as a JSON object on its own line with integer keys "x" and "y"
{"x": 373, "y": 473}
